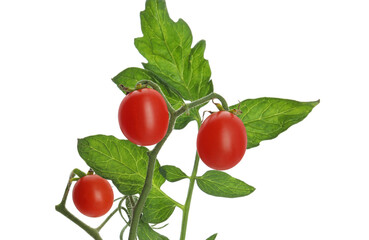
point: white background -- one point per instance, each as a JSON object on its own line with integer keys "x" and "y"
{"x": 56, "y": 62}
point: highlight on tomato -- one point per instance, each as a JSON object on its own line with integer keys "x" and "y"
{"x": 93, "y": 195}
{"x": 222, "y": 140}
{"x": 143, "y": 117}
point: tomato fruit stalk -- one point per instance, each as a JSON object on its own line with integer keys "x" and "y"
{"x": 93, "y": 195}
{"x": 222, "y": 140}
{"x": 143, "y": 117}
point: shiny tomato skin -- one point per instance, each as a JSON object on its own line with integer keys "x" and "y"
{"x": 93, "y": 195}
{"x": 143, "y": 117}
{"x": 222, "y": 140}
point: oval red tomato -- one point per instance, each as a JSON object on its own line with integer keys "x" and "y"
{"x": 143, "y": 117}
{"x": 222, "y": 140}
{"x": 93, "y": 195}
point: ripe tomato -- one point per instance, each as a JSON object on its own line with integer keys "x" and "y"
{"x": 143, "y": 117}
{"x": 222, "y": 140}
{"x": 93, "y": 195}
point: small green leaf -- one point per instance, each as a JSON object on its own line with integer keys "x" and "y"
{"x": 125, "y": 164}
{"x": 212, "y": 237}
{"x": 221, "y": 184}
{"x": 145, "y": 232}
{"x": 266, "y": 118}
{"x": 172, "y": 173}
{"x": 158, "y": 207}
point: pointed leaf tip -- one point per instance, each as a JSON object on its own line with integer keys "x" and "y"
{"x": 265, "y": 118}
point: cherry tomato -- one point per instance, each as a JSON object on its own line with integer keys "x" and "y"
{"x": 222, "y": 140}
{"x": 93, "y": 195}
{"x": 143, "y": 117}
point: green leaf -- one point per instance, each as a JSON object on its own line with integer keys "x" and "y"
{"x": 172, "y": 173}
{"x": 158, "y": 207}
{"x": 145, "y": 232}
{"x": 167, "y": 47}
{"x": 212, "y": 237}
{"x": 266, "y": 118}
{"x": 125, "y": 164}
{"x": 221, "y": 184}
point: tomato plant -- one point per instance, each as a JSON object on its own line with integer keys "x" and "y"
{"x": 165, "y": 95}
{"x": 143, "y": 117}
{"x": 222, "y": 140}
{"x": 93, "y": 196}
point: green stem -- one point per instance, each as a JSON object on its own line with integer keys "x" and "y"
{"x": 122, "y": 232}
{"x": 107, "y": 219}
{"x": 203, "y": 100}
{"x": 91, "y": 231}
{"x": 173, "y": 115}
{"x": 79, "y": 173}
{"x": 148, "y": 181}
{"x": 186, "y": 209}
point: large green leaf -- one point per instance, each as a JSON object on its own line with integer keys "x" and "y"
{"x": 167, "y": 47}
{"x": 221, "y": 184}
{"x": 266, "y": 118}
{"x": 125, "y": 164}
{"x": 145, "y": 232}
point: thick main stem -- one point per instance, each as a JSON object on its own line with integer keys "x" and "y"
{"x": 187, "y": 205}
{"x": 148, "y": 182}
{"x": 153, "y": 154}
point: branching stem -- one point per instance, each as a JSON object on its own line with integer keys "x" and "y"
{"x": 173, "y": 115}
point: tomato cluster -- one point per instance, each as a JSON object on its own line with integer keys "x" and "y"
{"x": 221, "y": 142}
{"x": 143, "y": 118}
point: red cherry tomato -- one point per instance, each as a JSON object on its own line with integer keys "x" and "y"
{"x": 93, "y": 195}
{"x": 143, "y": 117}
{"x": 222, "y": 140}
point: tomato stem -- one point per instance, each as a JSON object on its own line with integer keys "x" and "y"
{"x": 173, "y": 115}
{"x": 186, "y": 209}
{"x": 79, "y": 173}
{"x": 107, "y": 219}
{"x": 218, "y": 105}
{"x": 125, "y": 89}
{"x": 122, "y": 232}
{"x": 148, "y": 181}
